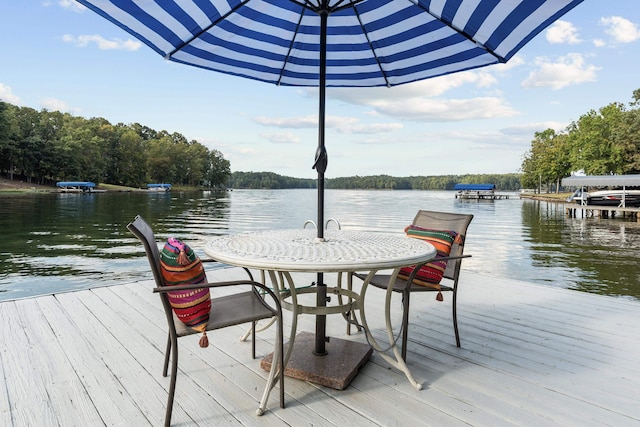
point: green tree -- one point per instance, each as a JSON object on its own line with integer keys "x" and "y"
{"x": 219, "y": 170}
{"x": 593, "y": 144}
{"x": 8, "y": 144}
{"x": 197, "y": 163}
{"x": 627, "y": 136}
{"x": 547, "y": 161}
{"x": 162, "y": 167}
{"x": 132, "y": 159}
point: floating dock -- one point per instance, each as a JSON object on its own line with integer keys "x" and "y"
{"x": 574, "y": 210}
{"x": 478, "y": 192}
{"x": 481, "y": 196}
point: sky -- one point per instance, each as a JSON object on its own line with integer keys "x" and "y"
{"x": 57, "y": 55}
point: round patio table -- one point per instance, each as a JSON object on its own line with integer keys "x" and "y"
{"x": 282, "y": 252}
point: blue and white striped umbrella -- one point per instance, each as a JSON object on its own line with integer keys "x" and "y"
{"x": 368, "y": 43}
{"x": 336, "y": 43}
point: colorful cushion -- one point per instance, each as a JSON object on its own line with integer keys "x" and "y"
{"x": 181, "y": 266}
{"x": 430, "y": 274}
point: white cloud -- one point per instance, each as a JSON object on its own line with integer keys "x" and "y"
{"x": 102, "y": 43}
{"x": 476, "y": 139}
{"x": 374, "y": 128}
{"x": 53, "y": 104}
{"x": 447, "y": 110}
{"x": 424, "y": 110}
{"x": 621, "y": 30}
{"x": 7, "y": 95}
{"x": 417, "y": 101}
{"x": 281, "y": 138}
{"x": 71, "y": 5}
{"x": 304, "y": 122}
{"x": 599, "y": 43}
{"x": 425, "y": 88}
{"x": 567, "y": 70}
{"x": 530, "y": 129}
{"x": 347, "y": 125}
{"x": 562, "y": 32}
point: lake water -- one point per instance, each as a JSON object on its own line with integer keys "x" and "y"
{"x": 58, "y": 242}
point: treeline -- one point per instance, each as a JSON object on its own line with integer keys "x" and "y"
{"x": 504, "y": 182}
{"x": 600, "y": 142}
{"x": 48, "y": 146}
{"x": 269, "y": 180}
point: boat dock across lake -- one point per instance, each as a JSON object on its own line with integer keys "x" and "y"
{"x": 575, "y": 210}
{"x": 478, "y": 192}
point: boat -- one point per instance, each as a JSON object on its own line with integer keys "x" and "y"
{"x": 616, "y": 198}
{"x": 159, "y": 187}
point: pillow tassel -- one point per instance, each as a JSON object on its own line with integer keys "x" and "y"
{"x": 439, "y": 297}
{"x": 183, "y": 259}
{"x": 204, "y": 341}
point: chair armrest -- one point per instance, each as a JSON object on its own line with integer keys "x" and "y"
{"x": 447, "y": 258}
{"x": 355, "y": 273}
{"x": 165, "y": 289}
{"x": 264, "y": 288}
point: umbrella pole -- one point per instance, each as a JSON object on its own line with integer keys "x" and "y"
{"x": 321, "y": 165}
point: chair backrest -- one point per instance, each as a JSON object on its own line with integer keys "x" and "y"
{"x": 447, "y": 221}
{"x": 143, "y": 231}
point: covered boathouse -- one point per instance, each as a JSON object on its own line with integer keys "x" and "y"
{"x": 76, "y": 186}
{"x": 477, "y": 191}
{"x": 583, "y": 182}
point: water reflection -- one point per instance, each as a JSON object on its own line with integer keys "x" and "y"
{"x": 590, "y": 254}
{"x": 57, "y": 242}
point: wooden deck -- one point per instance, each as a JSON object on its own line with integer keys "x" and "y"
{"x": 530, "y": 356}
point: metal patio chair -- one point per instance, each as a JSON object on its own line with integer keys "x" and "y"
{"x": 242, "y": 307}
{"x": 437, "y": 221}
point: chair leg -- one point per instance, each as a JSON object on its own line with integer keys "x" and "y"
{"x": 280, "y": 342}
{"x": 455, "y": 316}
{"x": 253, "y": 339}
{"x": 405, "y": 323}
{"x": 172, "y": 383}
{"x": 167, "y": 354}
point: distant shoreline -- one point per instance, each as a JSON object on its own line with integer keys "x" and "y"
{"x": 9, "y": 186}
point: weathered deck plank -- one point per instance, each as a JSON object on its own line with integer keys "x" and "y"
{"x": 531, "y": 355}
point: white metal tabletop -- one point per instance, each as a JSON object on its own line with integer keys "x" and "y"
{"x": 300, "y": 250}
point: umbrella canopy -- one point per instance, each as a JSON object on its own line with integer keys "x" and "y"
{"x": 368, "y": 43}
{"x": 334, "y": 43}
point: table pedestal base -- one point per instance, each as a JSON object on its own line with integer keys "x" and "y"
{"x": 336, "y": 369}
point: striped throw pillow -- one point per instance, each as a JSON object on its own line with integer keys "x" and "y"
{"x": 181, "y": 266}
{"x": 430, "y": 274}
